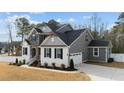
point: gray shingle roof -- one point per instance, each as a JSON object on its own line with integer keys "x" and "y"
{"x": 69, "y": 36}
{"x": 99, "y": 43}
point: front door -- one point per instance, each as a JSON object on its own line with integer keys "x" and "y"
{"x": 33, "y": 52}
{"x": 39, "y": 52}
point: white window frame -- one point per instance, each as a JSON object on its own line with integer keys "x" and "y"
{"x": 48, "y": 53}
{"x": 25, "y": 51}
{"x": 58, "y": 53}
{"x": 96, "y": 51}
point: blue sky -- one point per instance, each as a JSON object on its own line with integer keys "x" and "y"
{"x": 75, "y": 18}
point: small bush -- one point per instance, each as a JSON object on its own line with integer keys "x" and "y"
{"x": 53, "y": 65}
{"x": 62, "y": 66}
{"x": 24, "y": 61}
{"x": 19, "y": 63}
{"x": 45, "y": 64}
{"x": 16, "y": 61}
{"x": 14, "y": 64}
{"x": 10, "y": 63}
{"x": 38, "y": 64}
{"x": 71, "y": 64}
{"x": 110, "y": 60}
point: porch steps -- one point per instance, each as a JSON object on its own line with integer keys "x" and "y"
{"x": 31, "y": 61}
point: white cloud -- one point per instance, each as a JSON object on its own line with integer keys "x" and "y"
{"x": 87, "y": 17}
{"x": 34, "y": 22}
{"x": 8, "y": 13}
{"x": 12, "y": 19}
{"x": 37, "y": 13}
{"x": 59, "y": 20}
{"x": 71, "y": 20}
{"x": 110, "y": 26}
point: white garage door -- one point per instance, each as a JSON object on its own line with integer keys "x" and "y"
{"x": 77, "y": 58}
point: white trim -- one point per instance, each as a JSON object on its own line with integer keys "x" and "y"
{"x": 106, "y": 52}
{"x": 33, "y": 29}
{"x": 84, "y": 61}
{"x": 45, "y": 40}
{"x": 62, "y": 40}
{"x": 95, "y": 51}
{"x": 62, "y": 27}
{"x": 97, "y": 47}
{"x": 50, "y": 37}
{"x": 90, "y": 34}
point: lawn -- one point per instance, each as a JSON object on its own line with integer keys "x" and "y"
{"x": 113, "y": 64}
{"x": 15, "y": 73}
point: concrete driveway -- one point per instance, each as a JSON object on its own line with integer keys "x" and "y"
{"x": 101, "y": 73}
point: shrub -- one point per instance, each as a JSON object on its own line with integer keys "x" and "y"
{"x": 10, "y": 63}
{"x": 53, "y": 65}
{"x": 45, "y": 64}
{"x": 14, "y": 64}
{"x": 71, "y": 64}
{"x": 111, "y": 60}
{"x": 62, "y": 66}
{"x": 19, "y": 63}
{"x": 38, "y": 64}
{"x": 16, "y": 61}
{"x": 24, "y": 61}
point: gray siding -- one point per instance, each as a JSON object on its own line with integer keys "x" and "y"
{"x": 102, "y": 55}
{"x": 81, "y": 45}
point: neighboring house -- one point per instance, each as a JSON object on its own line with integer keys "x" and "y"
{"x": 61, "y": 43}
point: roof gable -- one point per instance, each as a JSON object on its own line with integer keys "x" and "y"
{"x": 69, "y": 36}
{"x": 53, "y": 40}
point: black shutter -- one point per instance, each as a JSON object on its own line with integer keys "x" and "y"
{"x": 61, "y": 53}
{"x": 55, "y": 52}
{"x": 50, "y": 52}
{"x": 26, "y": 51}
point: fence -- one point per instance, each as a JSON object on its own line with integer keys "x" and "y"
{"x": 9, "y": 58}
{"x": 118, "y": 57}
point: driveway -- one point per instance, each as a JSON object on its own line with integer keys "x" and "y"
{"x": 101, "y": 73}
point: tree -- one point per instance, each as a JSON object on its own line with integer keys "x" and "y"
{"x": 96, "y": 26}
{"x": 10, "y": 38}
{"x": 71, "y": 64}
{"x": 52, "y": 21}
{"x": 23, "y": 27}
{"x": 117, "y": 35}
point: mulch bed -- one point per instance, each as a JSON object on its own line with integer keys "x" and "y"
{"x": 56, "y": 68}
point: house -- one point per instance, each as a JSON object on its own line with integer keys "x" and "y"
{"x": 61, "y": 43}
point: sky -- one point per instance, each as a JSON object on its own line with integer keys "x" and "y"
{"x": 74, "y": 18}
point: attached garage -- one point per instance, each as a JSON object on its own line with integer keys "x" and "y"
{"x": 77, "y": 58}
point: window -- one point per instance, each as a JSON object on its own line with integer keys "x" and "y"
{"x": 58, "y": 53}
{"x": 25, "y": 51}
{"x": 47, "y": 52}
{"x": 33, "y": 37}
{"x": 96, "y": 52}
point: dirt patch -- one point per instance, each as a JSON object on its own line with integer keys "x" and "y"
{"x": 15, "y": 73}
{"x": 113, "y": 64}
